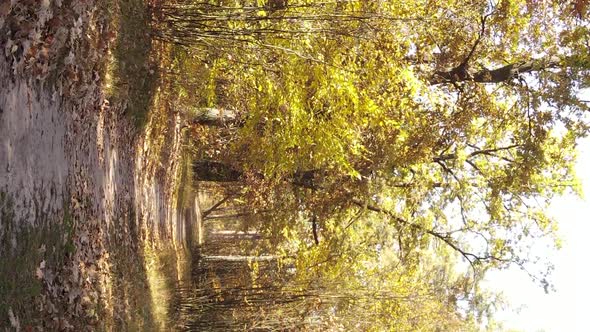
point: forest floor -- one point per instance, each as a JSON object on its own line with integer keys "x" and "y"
{"x": 94, "y": 221}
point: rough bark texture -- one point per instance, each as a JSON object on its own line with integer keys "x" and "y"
{"x": 236, "y": 258}
{"x": 501, "y": 74}
{"x": 216, "y": 117}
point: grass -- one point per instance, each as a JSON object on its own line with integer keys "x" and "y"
{"x": 21, "y": 253}
{"x": 165, "y": 267}
{"x": 131, "y": 77}
{"x": 129, "y": 301}
{"x": 144, "y": 279}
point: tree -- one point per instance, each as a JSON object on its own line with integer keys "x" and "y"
{"x": 454, "y": 124}
{"x": 321, "y": 293}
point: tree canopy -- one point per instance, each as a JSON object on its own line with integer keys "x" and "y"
{"x": 407, "y": 136}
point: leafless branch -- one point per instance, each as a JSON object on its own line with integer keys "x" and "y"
{"x": 446, "y": 237}
{"x": 207, "y": 212}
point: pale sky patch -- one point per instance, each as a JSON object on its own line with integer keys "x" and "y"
{"x": 567, "y": 308}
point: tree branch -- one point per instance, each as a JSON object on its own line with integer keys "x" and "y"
{"x": 314, "y": 227}
{"x": 500, "y": 74}
{"x": 207, "y": 212}
{"x": 472, "y": 258}
{"x": 453, "y": 156}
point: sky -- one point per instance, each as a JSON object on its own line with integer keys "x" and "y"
{"x": 566, "y": 309}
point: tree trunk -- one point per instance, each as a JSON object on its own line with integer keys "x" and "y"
{"x": 208, "y": 170}
{"x": 215, "y": 171}
{"x": 216, "y": 117}
{"x": 235, "y": 236}
{"x": 233, "y": 258}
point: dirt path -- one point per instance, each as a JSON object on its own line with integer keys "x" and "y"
{"x": 32, "y": 148}
{"x": 85, "y": 197}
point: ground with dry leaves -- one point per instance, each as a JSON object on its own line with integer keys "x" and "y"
{"x": 93, "y": 219}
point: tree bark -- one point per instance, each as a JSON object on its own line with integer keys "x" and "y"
{"x": 209, "y": 170}
{"x": 241, "y": 258}
{"x": 235, "y": 235}
{"x": 216, "y": 117}
{"x": 497, "y": 75}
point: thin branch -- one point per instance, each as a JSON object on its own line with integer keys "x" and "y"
{"x": 452, "y": 156}
{"x": 477, "y": 41}
{"x": 314, "y": 228}
{"x": 472, "y": 258}
{"x": 207, "y": 212}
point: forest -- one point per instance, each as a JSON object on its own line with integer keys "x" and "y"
{"x": 397, "y": 151}
{"x": 360, "y": 165}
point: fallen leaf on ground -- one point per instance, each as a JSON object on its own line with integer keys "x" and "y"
{"x": 14, "y": 322}
{"x": 39, "y": 273}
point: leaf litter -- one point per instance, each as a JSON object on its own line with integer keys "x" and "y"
{"x": 51, "y": 58}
